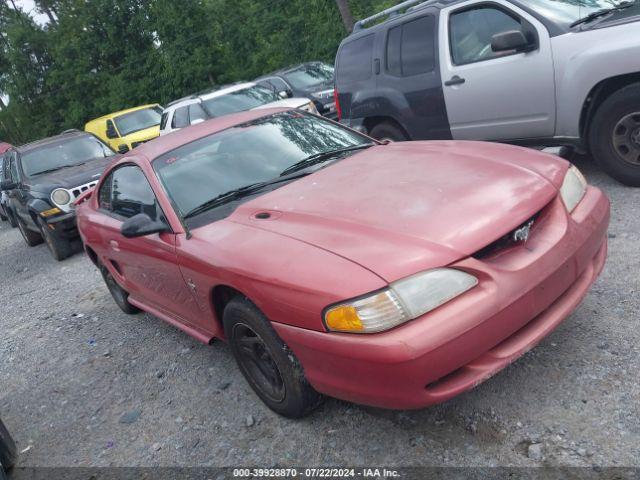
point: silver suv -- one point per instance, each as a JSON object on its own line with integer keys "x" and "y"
{"x": 534, "y": 72}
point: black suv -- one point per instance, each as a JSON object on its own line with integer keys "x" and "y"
{"x": 313, "y": 80}
{"x": 43, "y": 179}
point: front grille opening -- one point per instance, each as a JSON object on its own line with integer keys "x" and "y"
{"x": 507, "y": 241}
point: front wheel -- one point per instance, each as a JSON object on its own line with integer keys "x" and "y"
{"x": 31, "y": 238}
{"x": 388, "y": 131}
{"x": 614, "y": 136}
{"x": 265, "y": 361}
{"x": 8, "y": 451}
{"x": 60, "y": 248}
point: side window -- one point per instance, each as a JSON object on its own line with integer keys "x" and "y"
{"x": 278, "y": 84}
{"x": 163, "y": 120}
{"x": 180, "y": 118}
{"x": 131, "y": 194}
{"x": 196, "y": 112}
{"x": 411, "y": 47}
{"x": 104, "y": 196}
{"x": 13, "y": 169}
{"x": 471, "y": 32}
{"x": 355, "y": 60}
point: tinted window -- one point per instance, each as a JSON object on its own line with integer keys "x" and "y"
{"x": 63, "y": 153}
{"x": 354, "y": 63}
{"x": 163, "y": 120}
{"x": 104, "y": 196}
{"x": 471, "y": 32}
{"x": 138, "y": 120}
{"x": 196, "y": 113}
{"x": 310, "y": 75}
{"x": 13, "y": 169}
{"x": 131, "y": 193}
{"x": 411, "y": 47}
{"x": 180, "y": 118}
{"x": 275, "y": 84}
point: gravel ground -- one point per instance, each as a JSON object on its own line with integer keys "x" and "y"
{"x": 82, "y": 384}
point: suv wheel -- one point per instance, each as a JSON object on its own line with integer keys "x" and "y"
{"x": 30, "y": 237}
{"x": 614, "y": 135}
{"x": 8, "y": 451}
{"x": 59, "y": 247}
{"x": 265, "y": 361}
{"x": 12, "y": 219}
{"x": 119, "y": 294}
{"x": 388, "y": 131}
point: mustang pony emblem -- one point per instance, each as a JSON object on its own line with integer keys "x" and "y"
{"x": 522, "y": 234}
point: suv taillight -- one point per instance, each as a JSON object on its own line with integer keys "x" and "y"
{"x": 338, "y": 109}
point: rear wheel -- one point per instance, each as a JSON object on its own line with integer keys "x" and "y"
{"x": 119, "y": 294}
{"x": 60, "y": 248}
{"x": 614, "y": 135}
{"x": 30, "y": 237}
{"x": 265, "y": 361}
{"x": 388, "y": 131}
{"x": 8, "y": 451}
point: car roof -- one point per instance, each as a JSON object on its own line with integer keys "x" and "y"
{"x": 288, "y": 69}
{"x": 44, "y": 142}
{"x": 226, "y": 90}
{"x": 4, "y": 147}
{"x": 161, "y": 145}
{"x": 122, "y": 112}
{"x": 207, "y": 94}
{"x": 411, "y": 7}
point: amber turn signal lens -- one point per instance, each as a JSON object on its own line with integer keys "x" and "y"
{"x": 50, "y": 212}
{"x": 344, "y": 318}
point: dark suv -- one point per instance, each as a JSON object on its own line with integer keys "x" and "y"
{"x": 313, "y": 80}
{"x": 43, "y": 179}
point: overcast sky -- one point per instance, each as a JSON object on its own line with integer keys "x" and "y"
{"x": 29, "y": 7}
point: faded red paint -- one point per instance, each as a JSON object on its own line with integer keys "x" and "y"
{"x": 353, "y": 227}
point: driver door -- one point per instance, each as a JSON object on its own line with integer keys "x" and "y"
{"x": 491, "y": 95}
{"x": 146, "y": 266}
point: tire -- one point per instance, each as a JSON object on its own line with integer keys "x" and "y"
{"x": 614, "y": 135}
{"x": 119, "y": 294}
{"x": 271, "y": 369}
{"x": 3, "y": 217}
{"x": 60, "y": 248}
{"x": 12, "y": 219}
{"x": 388, "y": 131}
{"x": 31, "y": 238}
{"x": 8, "y": 450}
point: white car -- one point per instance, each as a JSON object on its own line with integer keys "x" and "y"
{"x": 235, "y": 98}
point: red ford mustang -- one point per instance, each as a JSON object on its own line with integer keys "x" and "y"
{"x": 396, "y": 275}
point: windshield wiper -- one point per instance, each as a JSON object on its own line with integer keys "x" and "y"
{"x": 237, "y": 194}
{"x": 321, "y": 157}
{"x": 601, "y": 13}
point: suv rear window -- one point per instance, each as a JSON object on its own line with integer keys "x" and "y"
{"x": 411, "y": 48}
{"x": 355, "y": 59}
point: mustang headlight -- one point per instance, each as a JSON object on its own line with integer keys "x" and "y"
{"x": 60, "y": 197}
{"x": 404, "y": 300}
{"x": 573, "y": 188}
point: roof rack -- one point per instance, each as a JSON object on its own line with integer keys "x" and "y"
{"x": 361, "y": 24}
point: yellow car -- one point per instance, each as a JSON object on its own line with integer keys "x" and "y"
{"x": 126, "y": 129}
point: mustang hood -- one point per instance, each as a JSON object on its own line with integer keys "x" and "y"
{"x": 71, "y": 177}
{"x": 402, "y": 208}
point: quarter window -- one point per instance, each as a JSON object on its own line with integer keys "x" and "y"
{"x": 355, "y": 59}
{"x": 180, "y": 118}
{"x": 196, "y": 113}
{"x": 471, "y": 32}
{"x": 411, "y": 47}
{"x": 126, "y": 192}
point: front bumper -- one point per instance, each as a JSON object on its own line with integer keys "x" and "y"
{"x": 523, "y": 294}
{"x": 64, "y": 226}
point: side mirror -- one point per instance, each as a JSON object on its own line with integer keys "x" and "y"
{"x": 111, "y": 132}
{"x": 141, "y": 225}
{"x": 510, "y": 40}
{"x": 123, "y": 148}
{"x": 285, "y": 94}
{"x": 7, "y": 185}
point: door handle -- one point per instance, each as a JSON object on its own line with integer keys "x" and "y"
{"x": 455, "y": 80}
{"x": 115, "y": 246}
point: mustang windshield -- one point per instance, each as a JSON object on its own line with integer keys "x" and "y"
{"x": 248, "y": 155}
{"x": 238, "y": 101}
{"x": 569, "y": 11}
{"x": 65, "y": 153}
{"x": 138, "y": 120}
